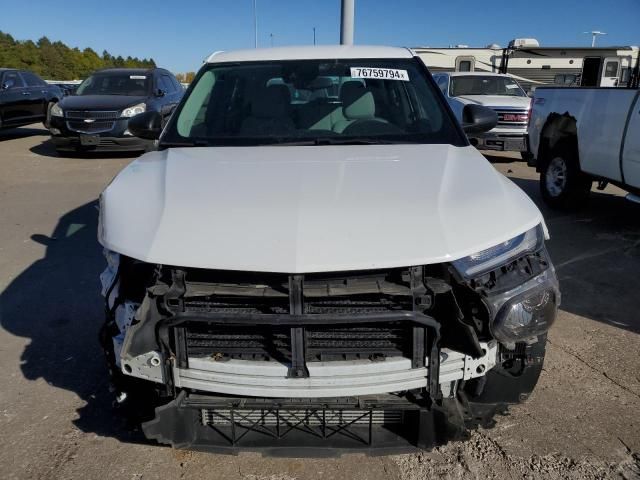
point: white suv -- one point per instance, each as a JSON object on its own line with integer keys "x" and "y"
{"x": 501, "y": 93}
{"x": 315, "y": 257}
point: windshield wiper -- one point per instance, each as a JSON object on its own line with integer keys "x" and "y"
{"x": 277, "y": 142}
{"x": 342, "y": 141}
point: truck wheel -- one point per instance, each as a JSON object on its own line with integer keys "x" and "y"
{"x": 562, "y": 184}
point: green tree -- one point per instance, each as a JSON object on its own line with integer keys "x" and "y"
{"x": 56, "y": 60}
{"x": 186, "y": 77}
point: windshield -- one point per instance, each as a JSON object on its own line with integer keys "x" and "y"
{"x": 485, "y": 85}
{"x": 312, "y": 102}
{"x": 132, "y": 84}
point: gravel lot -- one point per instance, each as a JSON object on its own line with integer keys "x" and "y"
{"x": 56, "y": 417}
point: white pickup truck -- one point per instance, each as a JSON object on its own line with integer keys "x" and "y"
{"x": 581, "y": 135}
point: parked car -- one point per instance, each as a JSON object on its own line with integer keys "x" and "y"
{"x": 25, "y": 98}
{"x": 578, "y": 136}
{"x": 67, "y": 87}
{"x": 499, "y": 92}
{"x": 316, "y": 257}
{"x": 97, "y": 114}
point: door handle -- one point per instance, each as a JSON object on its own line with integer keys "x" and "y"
{"x": 26, "y": 93}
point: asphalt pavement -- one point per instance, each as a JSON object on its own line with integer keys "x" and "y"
{"x": 56, "y": 414}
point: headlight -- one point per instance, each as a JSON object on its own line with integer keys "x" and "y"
{"x": 56, "y": 111}
{"x": 526, "y": 311}
{"x": 133, "y": 111}
{"x": 522, "y": 302}
{"x": 486, "y": 260}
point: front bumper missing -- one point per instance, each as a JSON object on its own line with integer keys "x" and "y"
{"x": 330, "y": 379}
{"x": 178, "y": 370}
{"x": 375, "y": 424}
{"x": 371, "y": 424}
{"x": 326, "y": 379}
{"x": 302, "y": 403}
{"x": 426, "y": 367}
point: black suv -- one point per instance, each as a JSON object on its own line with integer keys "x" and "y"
{"x": 25, "y": 98}
{"x": 96, "y": 115}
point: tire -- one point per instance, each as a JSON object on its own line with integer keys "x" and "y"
{"x": 47, "y": 120}
{"x": 562, "y": 184}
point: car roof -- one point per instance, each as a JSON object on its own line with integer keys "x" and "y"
{"x": 125, "y": 70}
{"x": 309, "y": 53}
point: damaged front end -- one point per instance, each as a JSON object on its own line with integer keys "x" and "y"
{"x": 381, "y": 360}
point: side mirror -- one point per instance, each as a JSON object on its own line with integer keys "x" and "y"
{"x": 478, "y": 119}
{"x": 160, "y": 93}
{"x": 147, "y": 125}
{"x": 7, "y": 85}
{"x": 43, "y": 239}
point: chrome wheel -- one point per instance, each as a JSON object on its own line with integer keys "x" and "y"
{"x": 556, "y": 177}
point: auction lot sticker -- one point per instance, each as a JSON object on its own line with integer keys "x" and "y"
{"x": 379, "y": 73}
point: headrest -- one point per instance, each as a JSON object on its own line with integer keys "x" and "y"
{"x": 320, "y": 82}
{"x": 357, "y": 101}
{"x": 272, "y": 102}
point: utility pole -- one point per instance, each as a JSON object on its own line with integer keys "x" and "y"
{"x": 594, "y": 34}
{"x": 271, "y": 37}
{"x": 255, "y": 25}
{"x": 314, "y": 35}
{"x": 346, "y": 22}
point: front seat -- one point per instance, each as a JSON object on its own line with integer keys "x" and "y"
{"x": 358, "y": 108}
{"x": 270, "y": 113}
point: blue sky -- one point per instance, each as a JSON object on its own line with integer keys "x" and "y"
{"x": 179, "y": 34}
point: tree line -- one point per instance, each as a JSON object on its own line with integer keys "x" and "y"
{"x": 55, "y": 60}
{"x": 185, "y": 77}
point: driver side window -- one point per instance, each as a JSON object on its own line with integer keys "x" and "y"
{"x": 165, "y": 84}
{"x": 11, "y": 80}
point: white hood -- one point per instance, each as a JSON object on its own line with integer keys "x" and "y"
{"x": 312, "y": 208}
{"x": 496, "y": 101}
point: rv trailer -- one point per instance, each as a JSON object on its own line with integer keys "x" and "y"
{"x": 533, "y": 65}
{"x": 461, "y": 58}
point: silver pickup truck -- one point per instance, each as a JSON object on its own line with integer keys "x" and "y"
{"x": 581, "y": 135}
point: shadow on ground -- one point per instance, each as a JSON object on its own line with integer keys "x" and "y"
{"x": 501, "y": 159}
{"x": 56, "y": 304}
{"x": 47, "y": 149}
{"x": 21, "y": 132}
{"x": 596, "y": 251}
